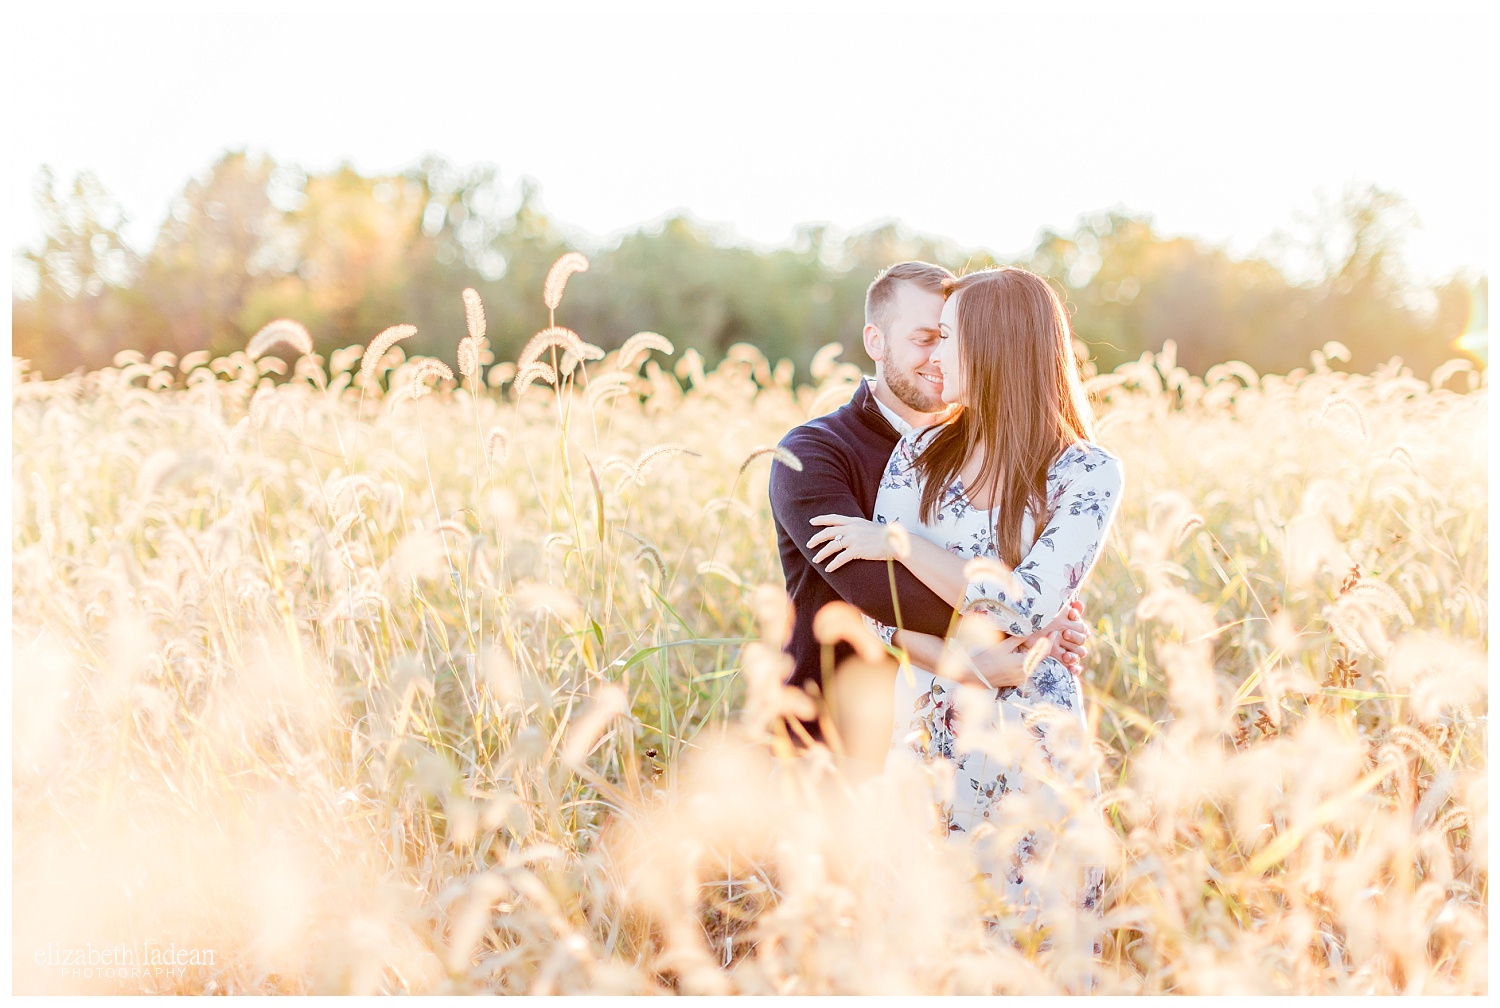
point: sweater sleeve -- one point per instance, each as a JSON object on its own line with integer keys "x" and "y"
{"x": 824, "y": 486}
{"x": 1082, "y": 504}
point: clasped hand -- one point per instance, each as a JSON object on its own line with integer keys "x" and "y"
{"x": 1002, "y": 664}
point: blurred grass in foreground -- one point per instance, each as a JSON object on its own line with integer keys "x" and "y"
{"x": 471, "y": 691}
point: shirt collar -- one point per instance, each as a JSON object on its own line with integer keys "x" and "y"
{"x": 902, "y": 427}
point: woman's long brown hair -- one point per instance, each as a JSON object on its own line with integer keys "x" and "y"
{"x": 1026, "y": 403}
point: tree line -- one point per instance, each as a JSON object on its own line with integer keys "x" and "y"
{"x": 348, "y": 255}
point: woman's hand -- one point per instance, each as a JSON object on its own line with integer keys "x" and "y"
{"x": 848, "y": 538}
{"x": 1072, "y": 634}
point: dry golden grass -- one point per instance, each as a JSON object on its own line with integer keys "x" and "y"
{"x": 477, "y": 691}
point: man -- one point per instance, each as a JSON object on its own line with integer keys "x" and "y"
{"x": 843, "y": 456}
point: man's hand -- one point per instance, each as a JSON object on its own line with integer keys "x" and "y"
{"x": 1002, "y": 664}
{"x": 996, "y": 667}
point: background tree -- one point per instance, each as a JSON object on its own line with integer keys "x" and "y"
{"x": 348, "y": 255}
{"x": 83, "y": 305}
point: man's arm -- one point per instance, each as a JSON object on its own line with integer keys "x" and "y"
{"x": 822, "y": 487}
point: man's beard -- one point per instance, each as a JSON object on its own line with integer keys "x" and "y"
{"x": 908, "y": 388}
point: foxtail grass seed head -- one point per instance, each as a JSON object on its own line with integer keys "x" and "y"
{"x": 840, "y": 621}
{"x": 468, "y": 357}
{"x": 378, "y": 347}
{"x": 781, "y": 454}
{"x": 426, "y": 370}
{"x": 606, "y": 387}
{"x": 831, "y": 395}
{"x": 898, "y": 540}
{"x": 496, "y": 445}
{"x": 1415, "y": 741}
{"x": 1334, "y": 350}
{"x": 261, "y": 404}
{"x": 293, "y": 334}
{"x": 1456, "y": 818}
{"x": 1448, "y": 369}
{"x": 651, "y": 456}
{"x": 557, "y": 277}
{"x": 734, "y": 504}
{"x": 474, "y": 313}
{"x": 1383, "y": 597}
{"x": 992, "y": 571}
{"x": 824, "y": 362}
{"x": 574, "y": 355}
{"x": 608, "y": 704}
{"x": 1187, "y": 528}
{"x": 1344, "y": 629}
{"x": 719, "y": 570}
{"x": 500, "y": 374}
{"x": 637, "y": 348}
{"x": 346, "y": 500}
{"x": 552, "y": 336}
{"x": 1351, "y": 408}
{"x": 533, "y": 372}
{"x": 470, "y": 347}
{"x": 450, "y": 527}
{"x": 1035, "y": 655}
{"x": 651, "y": 553}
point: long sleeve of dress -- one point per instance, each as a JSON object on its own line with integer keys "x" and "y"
{"x": 898, "y": 479}
{"x": 1083, "y": 493}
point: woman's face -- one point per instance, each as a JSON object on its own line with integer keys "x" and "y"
{"x": 945, "y": 354}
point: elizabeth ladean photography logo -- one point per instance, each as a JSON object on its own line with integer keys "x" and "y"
{"x": 121, "y": 961}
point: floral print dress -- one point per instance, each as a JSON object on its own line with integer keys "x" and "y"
{"x": 1083, "y": 492}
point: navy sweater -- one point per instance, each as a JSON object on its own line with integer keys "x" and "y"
{"x": 843, "y": 455}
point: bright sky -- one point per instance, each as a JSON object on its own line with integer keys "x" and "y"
{"x": 980, "y": 127}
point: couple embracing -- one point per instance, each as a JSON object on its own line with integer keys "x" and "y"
{"x": 975, "y": 436}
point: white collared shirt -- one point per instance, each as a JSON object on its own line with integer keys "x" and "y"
{"x": 902, "y": 427}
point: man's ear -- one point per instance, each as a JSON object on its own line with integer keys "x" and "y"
{"x": 874, "y": 343}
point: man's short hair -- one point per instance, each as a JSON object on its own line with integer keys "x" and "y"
{"x": 883, "y": 291}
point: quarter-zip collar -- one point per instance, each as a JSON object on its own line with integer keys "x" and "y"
{"x": 871, "y": 411}
{"x": 868, "y": 409}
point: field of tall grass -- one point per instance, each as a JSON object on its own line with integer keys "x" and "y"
{"x": 356, "y": 675}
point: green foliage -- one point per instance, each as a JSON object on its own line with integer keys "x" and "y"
{"x": 347, "y": 254}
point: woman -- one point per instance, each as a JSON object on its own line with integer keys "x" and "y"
{"x": 1015, "y": 457}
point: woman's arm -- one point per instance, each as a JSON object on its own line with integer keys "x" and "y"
{"x": 1041, "y": 586}
{"x": 938, "y": 568}
{"x": 996, "y": 667}
{"x": 846, "y": 538}
{"x": 923, "y": 650}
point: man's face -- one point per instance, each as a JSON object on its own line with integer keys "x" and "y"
{"x": 943, "y": 357}
{"x": 910, "y": 333}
